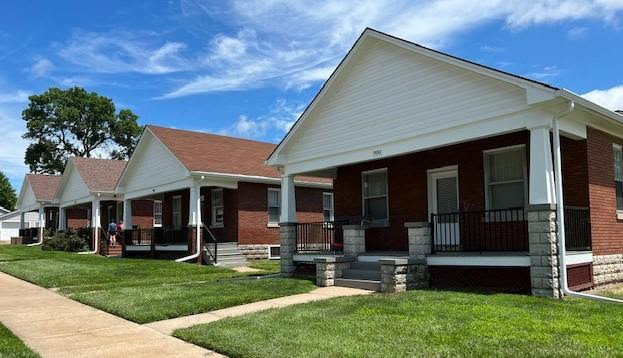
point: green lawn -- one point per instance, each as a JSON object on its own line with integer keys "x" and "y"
{"x": 142, "y": 290}
{"x": 272, "y": 266}
{"x": 12, "y": 347}
{"x": 421, "y": 323}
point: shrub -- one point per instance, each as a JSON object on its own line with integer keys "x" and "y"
{"x": 69, "y": 240}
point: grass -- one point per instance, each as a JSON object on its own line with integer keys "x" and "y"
{"x": 421, "y": 323}
{"x": 13, "y": 347}
{"x": 142, "y": 290}
{"x": 272, "y": 266}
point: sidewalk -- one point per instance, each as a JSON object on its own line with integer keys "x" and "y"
{"x": 323, "y": 293}
{"x": 55, "y": 326}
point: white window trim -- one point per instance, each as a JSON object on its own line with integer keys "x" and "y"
{"x": 615, "y": 146}
{"x": 271, "y": 257}
{"x": 272, "y": 223}
{"x": 363, "y": 197}
{"x": 173, "y": 211}
{"x": 485, "y": 164}
{"x": 154, "y": 209}
{"x": 213, "y": 223}
{"x": 332, "y": 209}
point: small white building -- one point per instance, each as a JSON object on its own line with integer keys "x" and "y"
{"x": 10, "y": 224}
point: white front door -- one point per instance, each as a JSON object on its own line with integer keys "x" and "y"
{"x": 443, "y": 200}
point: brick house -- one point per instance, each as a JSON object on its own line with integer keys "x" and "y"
{"x": 37, "y": 195}
{"x": 210, "y": 191}
{"x": 447, "y": 173}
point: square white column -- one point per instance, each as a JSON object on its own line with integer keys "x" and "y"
{"x": 127, "y": 214}
{"x": 288, "y": 199}
{"x": 541, "y": 168}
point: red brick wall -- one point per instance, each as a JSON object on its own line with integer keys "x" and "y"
{"x": 143, "y": 213}
{"x": 575, "y": 172}
{"x": 77, "y": 217}
{"x": 229, "y": 231}
{"x": 253, "y": 212}
{"x": 607, "y": 231}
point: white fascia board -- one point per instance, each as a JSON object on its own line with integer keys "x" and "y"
{"x": 258, "y": 179}
{"x": 506, "y": 123}
{"x": 184, "y": 183}
{"x": 79, "y": 201}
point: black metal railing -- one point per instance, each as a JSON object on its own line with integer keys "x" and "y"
{"x": 320, "y": 237}
{"x": 210, "y": 244}
{"x": 29, "y": 232}
{"x": 158, "y": 235}
{"x": 577, "y": 229}
{"x": 480, "y": 231}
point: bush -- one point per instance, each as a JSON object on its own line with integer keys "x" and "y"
{"x": 69, "y": 240}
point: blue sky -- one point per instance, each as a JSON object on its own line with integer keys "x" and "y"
{"x": 248, "y": 69}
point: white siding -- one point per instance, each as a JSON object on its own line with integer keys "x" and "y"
{"x": 29, "y": 201}
{"x": 152, "y": 166}
{"x": 388, "y": 94}
{"x": 75, "y": 188}
{"x": 7, "y": 223}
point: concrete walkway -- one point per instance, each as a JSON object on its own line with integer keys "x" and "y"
{"x": 323, "y": 293}
{"x": 56, "y": 326}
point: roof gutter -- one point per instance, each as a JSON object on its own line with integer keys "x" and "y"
{"x": 560, "y": 212}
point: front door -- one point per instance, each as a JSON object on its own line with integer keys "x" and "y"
{"x": 443, "y": 200}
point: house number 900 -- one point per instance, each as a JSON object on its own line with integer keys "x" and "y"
{"x": 377, "y": 153}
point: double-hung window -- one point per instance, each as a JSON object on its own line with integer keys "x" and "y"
{"x": 274, "y": 206}
{"x": 505, "y": 177}
{"x": 157, "y": 213}
{"x": 375, "y": 197}
{"x": 327, "y": 206}
{"x": 618, "y": 176}
{"x": 176, "y": 212}
{"x": 216, "y": 197}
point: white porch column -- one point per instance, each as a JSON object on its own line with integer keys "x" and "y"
{"x": 95, "y": 222}
{"x": 288, "y": 199}
{"x": 41, "y": 221}
{"x": 194, "y": 221}
{"x": 541, "y": 168}
{"x": 127, "y": 214}
{"x": 21, "y": 220}
{"x": 61, "y": 218}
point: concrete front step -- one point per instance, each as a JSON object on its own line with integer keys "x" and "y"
{"x": 372, "y": 285}
{"x": 362, "y": 274}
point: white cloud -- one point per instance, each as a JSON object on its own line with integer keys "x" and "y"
{"x": 120, "y": 52}
{"x": 611, "y": 98}
{"x": 19, "y": 96}
{"x": 294, "y": 43}
{"x": 277, "y": 122}
{"x": 545, "y": 73}
{"x": 42, "y": 67}
{"x": 576, "y": 33}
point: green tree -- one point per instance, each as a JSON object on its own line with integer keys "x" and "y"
{"x": 7, "y": 193}
{"x": 73, "y": 122}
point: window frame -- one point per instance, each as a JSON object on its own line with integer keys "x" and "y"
{"x": 154, "y": 224}
{"x": 173, "y": 199}
{"x": 331, "y": 209}
{"x": 386, "y": 196}
{"x": 273, "y": 223}
{"x": 487, "y": 183}
{"x": 615, "y": 148}
{"x": 213, "y": 223}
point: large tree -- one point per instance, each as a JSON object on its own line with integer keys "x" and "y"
{"x": 73, "y": 122}
{"x": 7, "y": 193}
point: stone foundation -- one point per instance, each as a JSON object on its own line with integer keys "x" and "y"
{"x": 354, "y": 240}
{"x": 287, "y": 238}
{"x": 399, "y": 275}
{"x": 543, "y": 248}
{"x": 330, "y": 268}
{"x": 607, "y": 269}
{"x": 254, "y": 252}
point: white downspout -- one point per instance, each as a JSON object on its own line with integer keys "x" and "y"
{"x": 95, "y": 219}
{"x": 195, "y": 195}
{"x": 560, "y": 213}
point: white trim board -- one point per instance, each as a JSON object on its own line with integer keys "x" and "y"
{"x": 505, "y": 261}
{"x": 579, "y": 257}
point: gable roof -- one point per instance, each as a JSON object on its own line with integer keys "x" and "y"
{"x": 543, "y": 90}
{"x": 43, "y": 186}
{"x": 211, "y": 153}
{"x": 99, "y": 174}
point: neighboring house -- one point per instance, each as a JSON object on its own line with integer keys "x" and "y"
{"x": 4, "y": 210}
{"x": 87, "y": 197}
{"x": 450, "y": 167}
{"x": 37, "y": 195}
{"x": 10, "y": 223}
{"x": 216, "y": 183}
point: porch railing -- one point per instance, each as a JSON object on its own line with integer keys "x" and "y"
{"x": 160, "y": 236}
{"x": 319, "y": 237}
{"x": 577, "y": 229}
{"x": 29, "y": 232}
{"x": 480, "y": 231}
{"x": 210, "y": 244}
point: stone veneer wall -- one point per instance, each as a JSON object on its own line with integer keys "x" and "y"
{"x": 543, "y": 248}
{"x": 254, "y": 252}
{"x": 607, "y": 269}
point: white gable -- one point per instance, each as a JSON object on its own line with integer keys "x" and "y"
{"x": 27, "y": 200}
{"x": 73, "y": 186}
{"x": 152, "y": 165}
{"x": 388, "y": 93}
